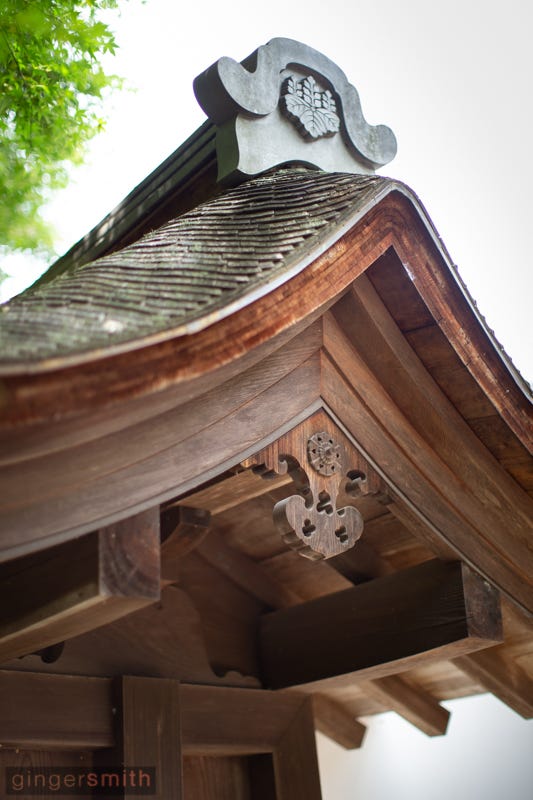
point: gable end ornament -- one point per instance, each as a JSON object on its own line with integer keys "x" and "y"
{"x": 288, "y": 103}
{"x": 319, "y": 521}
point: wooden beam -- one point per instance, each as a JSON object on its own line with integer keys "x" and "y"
{"x": 234, "y": 490}
{"x": 225, "y": 721}
{"x": 382, "y": 393}
{"x": 510, "y": 683}
{"x": 421, "y": 531}
{"x": 78, "y": 586}
{"x": 47, "y": 711}
{"x": 243, "y": 571}
{"x": 295, "y": 758}
{"x": 335, "y": 722}
{"x": 147, "y": 734}
{"x": 55, "y": 712}
{"x": 75, "y": 712}
{"x": 182, "y": 530}
{"x": 262, "y": 581}
{"x": 432, "y": 611}
{"x": 416, "y": 706}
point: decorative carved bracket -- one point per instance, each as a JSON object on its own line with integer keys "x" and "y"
{"x": 324, "y": 466}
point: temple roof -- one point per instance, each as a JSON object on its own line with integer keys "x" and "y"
{"x": 190, "y": 272}
{"x": 206, "y": 352}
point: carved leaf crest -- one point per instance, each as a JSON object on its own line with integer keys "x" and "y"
{"x": 314, "y": 110}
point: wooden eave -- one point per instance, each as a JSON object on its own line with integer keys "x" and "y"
{"x": 104, "y": 454}
{"x": 104, "y": 439}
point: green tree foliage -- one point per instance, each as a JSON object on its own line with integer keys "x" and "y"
{"x": 51, "y": 83}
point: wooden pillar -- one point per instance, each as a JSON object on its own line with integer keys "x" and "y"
{"x": 148, "y": 735}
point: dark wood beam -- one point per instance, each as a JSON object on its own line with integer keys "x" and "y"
{"x": 75, "y": 587}
{"x": 225, "y": 721}
{"x": 243, "y": 571}
{"x": 432, "y": 611}
{"x": 380, "y": 390}
{"x": 413, "y": 704}
{"x": 233, "y": 490}
{"x": 182, "y": 530}
{"x": 147, "y": 733}
{"x": 55, "y": 712}
{"x": 262, "y": 581}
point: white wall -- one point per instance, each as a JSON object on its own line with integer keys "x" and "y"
{"x": 487, "y": 754}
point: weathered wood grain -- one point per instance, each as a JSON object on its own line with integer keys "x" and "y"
{"x": 182, "y": 530}
{"x": 148, "y": 733}
{"x": 233, "y": 491}
{"x": 227, "y": 721}
{"x": 220, "y": 778}
{"x": 243, "y": 378}
{"x": 466, "y": 520}
{"x": 214, "y": 722}
{"x": 218, "y": 434}
{"x": 79, "y": 586}
{"x": 246, "y": 573}
{"x": 55, "y": 712}
{"x": 429, "y": 612}
{"x": 310, "y": 580}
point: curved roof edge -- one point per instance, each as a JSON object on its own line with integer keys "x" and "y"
{"x": 381, "y": 188}
{"x": 363, "y": 201}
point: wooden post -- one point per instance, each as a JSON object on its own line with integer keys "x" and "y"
{"x": 148, "y": 735}
{"x": 295, "y": 758}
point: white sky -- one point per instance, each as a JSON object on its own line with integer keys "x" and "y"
{"x": 453, "y": 80}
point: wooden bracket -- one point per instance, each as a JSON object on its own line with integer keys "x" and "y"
{"x": 324, "y": 465}
{"x": 182, "y": 530}
{"x": 77, "y": 586}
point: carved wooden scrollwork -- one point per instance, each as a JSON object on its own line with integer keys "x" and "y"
{"x": 324, "y": 467}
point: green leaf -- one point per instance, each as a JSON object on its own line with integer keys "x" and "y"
{"x": 50, "y": 88}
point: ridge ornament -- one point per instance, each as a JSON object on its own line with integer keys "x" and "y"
{"x": 250, "y": 103}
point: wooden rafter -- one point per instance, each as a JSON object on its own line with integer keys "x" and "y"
{"x": 335, "y": 722}
{"x": 510, "y": 683}
{"x": 233, "y": 490}
{"x": 414, "y": 705}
